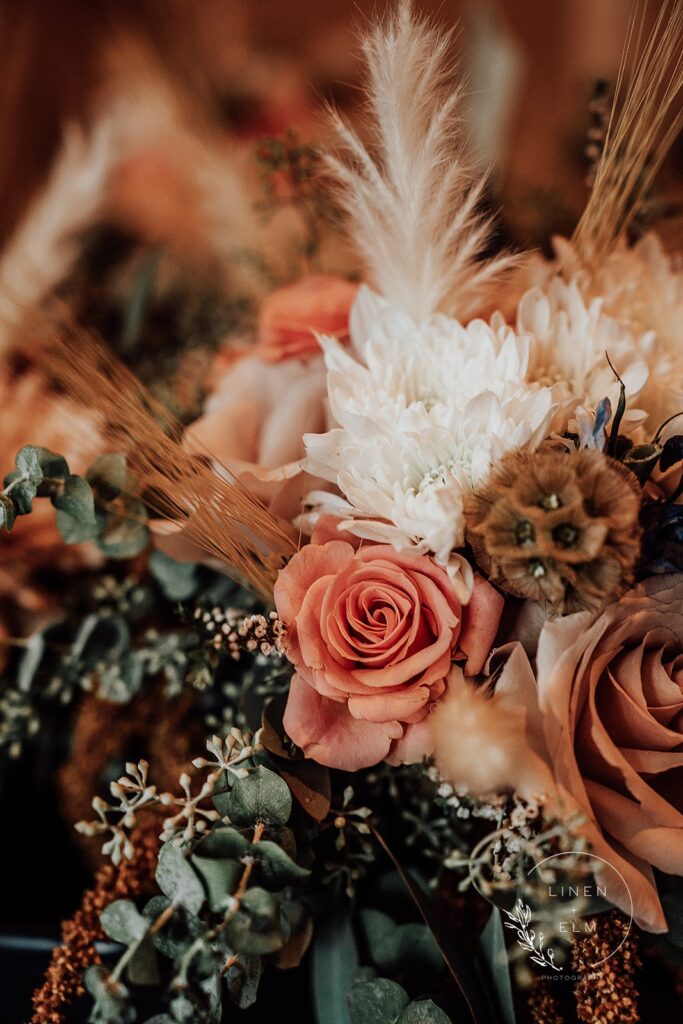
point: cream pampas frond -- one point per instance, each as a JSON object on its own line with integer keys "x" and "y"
{"x": 43, "y": 248}
{"x": 647, "y": 115}
{"x": 223, "y": 519}
{"x": 413, "y": 202}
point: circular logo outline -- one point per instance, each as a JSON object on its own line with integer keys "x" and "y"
{"x": 594, "y": 856}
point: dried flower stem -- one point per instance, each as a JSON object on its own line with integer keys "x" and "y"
{"x": 223, "y": 519}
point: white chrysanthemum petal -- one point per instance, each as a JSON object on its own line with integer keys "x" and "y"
{"x": 571, "y": 338}
{"x": 421, "y": 413}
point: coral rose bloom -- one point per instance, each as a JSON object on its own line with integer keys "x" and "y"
{"x": 372, "y": 634}
{"x": 611, "y": 695}
{"x": 291, "y": 317}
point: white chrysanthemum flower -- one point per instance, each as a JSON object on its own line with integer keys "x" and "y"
{"x": 643, "y": 288}
{"x": 423, "y": 411}
{"x": 571, "y": 338}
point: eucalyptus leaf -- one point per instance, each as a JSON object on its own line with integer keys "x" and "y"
{"x": 178, "y": 580}
{"x": 55, "y": 469}
{"x": 423, "y": 1011}
{"x": 124, "y": 533}
{"x": 258, "y": 925}
{"x": 301, "y": 933}
{"x": 19, "y": 499}
{"x": 397, "y": 949}
{"x": 143, "y": 966}
{"x": 177, "y": 933}
{"x": 177, "y": 880}
{"x": 223, "y": 842}
{"x": 111, "y": 1000}
{"x": 274, "y": 868}
{"x": 242, "y": 979}
{"x": 495, "y": 955}
{"x": 379, "y": 1001}
{"x": 123, "y": 922}
{"x": 642, "y": 459}
{"x": 220, "y": 877}
{"x": 108, "y": 476}
{"x": 334, "y": 964}
{"x": 28, "y": 462}
{"x": 76, "y": 511}
{"x": 260, "y": 797}
{"x": 30, "y": 661}
{"x": 119, "y": 682}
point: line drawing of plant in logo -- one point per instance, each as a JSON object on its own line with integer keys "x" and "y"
{"x": 520, "y": 918}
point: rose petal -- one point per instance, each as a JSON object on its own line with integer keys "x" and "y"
{"x": 481, "y": 618}
{"x": 326, "y": 731}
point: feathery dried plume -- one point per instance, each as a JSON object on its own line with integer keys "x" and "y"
{"x": 43, "y": 248}
{"x": 222, "y": 519}
{"x": 413, "y": 204}
{"x": 643, "y": 125}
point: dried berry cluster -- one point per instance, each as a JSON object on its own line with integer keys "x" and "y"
{"x": 557, "y": 527}
{"x": 607, "y": 993}
{"x": 64, "y": 976}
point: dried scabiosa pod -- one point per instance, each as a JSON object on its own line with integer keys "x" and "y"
{"x": 556, "y": 527}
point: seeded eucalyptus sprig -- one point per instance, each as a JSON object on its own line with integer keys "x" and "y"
{"x": 228, "y": 899}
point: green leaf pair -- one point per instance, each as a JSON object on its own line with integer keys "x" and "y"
{"x": 381, "y": 1001}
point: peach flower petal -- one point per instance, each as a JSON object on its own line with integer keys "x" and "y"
{"x": 292, "y": 316}
{"x": 372, "y": 634}
{"x": 325, "y": 730}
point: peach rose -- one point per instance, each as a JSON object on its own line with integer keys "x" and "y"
{"x": 254, "y": 424}
{"x": 611, "y": 697}
{"x": 372, "y": 634}
{"x": 291, "y": 317}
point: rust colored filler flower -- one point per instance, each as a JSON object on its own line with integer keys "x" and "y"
{"x": 556, "y": 527}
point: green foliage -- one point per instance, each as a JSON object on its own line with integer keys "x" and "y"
{"x": 21, "y": 485}
{"x": 111, "y": 1002}
{"x": 177, "y": 880}
{"x": 76, "y": 511}
{"x": 108, "y": 476}
{"x": 423, "y": 1011}
{"x": 220, "y": 876}
{"x": 274, "y": 868}
{"x": 242, "y": 979}
{"x": 227, "y": 900}
{"x": 99, "y": 507}
{"x": 178, "y": 580}
{"x": 308, "y": 781}
{"x": 335, "y": 963}
{"x": 495, "y": 957}
{"x": 261, "y": 796}
{"x": 123, "y": 922}
{"x": 258, "y": 926}
{"x": 396, "y": 948}
{"x": 379, "y": 1001}
{"x": 382, "y": 1001}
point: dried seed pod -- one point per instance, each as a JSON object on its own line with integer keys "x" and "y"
{"x": 556, "y": 527}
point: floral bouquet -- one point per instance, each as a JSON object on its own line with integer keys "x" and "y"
{"x": 425, "y": 740}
